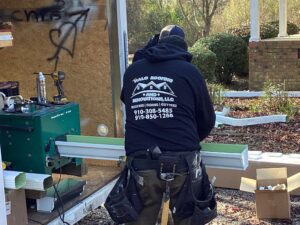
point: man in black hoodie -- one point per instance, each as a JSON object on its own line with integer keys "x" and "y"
{"x": 168, "y": 113}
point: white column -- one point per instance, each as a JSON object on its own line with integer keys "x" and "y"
{"x": 254, "y": 21}
{"x": 282, "y": 18}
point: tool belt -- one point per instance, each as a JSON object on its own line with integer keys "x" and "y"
{"x": 167, "y": 163}
{"x": 163, "y": 162}
{"x": 197, "y": 197}
{"x": 123, "y": 202}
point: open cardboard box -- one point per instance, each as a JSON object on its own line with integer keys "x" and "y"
{"x": 271, "y": 204}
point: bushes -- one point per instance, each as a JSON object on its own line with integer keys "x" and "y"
{"x": 205, "y": 60}
{"x": 231, "y": 53}
{"x": 268, "y": 30}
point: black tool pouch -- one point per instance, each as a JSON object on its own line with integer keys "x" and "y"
{"x": 197, "y": 197}
{"x": 123, "y": 202}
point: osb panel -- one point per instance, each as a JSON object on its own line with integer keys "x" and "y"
{"x": 5, "y": 4}
{"x": 88, "y": 79}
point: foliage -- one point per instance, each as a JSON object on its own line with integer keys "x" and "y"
{"x": 236, "y": 14}
{"x": 205, "y": 60}
{"x": 275, "y": 99}
{"x": 216, "y": 95}
{"x": 148, "y": 17}
{"x": 199, "y": 14}
{"x": 268, "y": 30}
{"x": 231, "y": 52}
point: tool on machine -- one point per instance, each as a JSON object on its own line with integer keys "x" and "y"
{"x": 58, "y": 78}
{"x": 15, "y": 104}
{"x": 41, "y": 88}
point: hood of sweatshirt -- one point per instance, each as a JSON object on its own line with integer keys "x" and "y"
{"x": 168, "y": 48}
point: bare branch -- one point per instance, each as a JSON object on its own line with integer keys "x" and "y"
{"x": 214, "y": 8}
{"x": 186, "y": 17}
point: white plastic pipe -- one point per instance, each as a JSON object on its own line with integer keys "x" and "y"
{"x": 2, "y": 195}
{"x": 14, "y": 179}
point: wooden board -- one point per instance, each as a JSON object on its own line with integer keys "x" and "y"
{"x": 97, "y": 177}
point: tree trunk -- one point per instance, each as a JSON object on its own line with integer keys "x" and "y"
{"x": 207, "y": 26}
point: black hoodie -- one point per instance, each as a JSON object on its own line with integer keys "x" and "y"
{"x": 166, "y": 99}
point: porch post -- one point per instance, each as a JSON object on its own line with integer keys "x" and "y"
{"x": 282, "y": 18}
{"x": 254, "y": 21}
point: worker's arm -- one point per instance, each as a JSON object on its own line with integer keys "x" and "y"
{"x": 205, "y": 114}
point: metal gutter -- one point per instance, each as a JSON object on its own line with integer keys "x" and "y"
{"x": 84, "y": 207}
{"x": 274, "y": 157}
{"x": 250, "y": 121}
{"x": 253, "y": 94}
{"x": 213, "y": 155}
{"x": 90, "y": 151}
{"x": 14, "y": 179}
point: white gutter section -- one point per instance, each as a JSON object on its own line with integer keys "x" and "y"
{"x": 253, "y": 94}
{"x": 14, "y": 179}
{"x": 116, "y": 152}
{"x": 38, "y": 182}
{"x": 90, "y": 151}
{"x": 250, "y": 121}
{"x": 2, "y": 195}
{"x": 274, "y": 157}
{"x": 84, "y": 207}
{"x": 234, "y": 161}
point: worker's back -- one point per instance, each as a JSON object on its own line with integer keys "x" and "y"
{"x": 167, "y": 102}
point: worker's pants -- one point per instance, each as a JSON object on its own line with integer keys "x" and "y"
{"x": 151, "y": 193}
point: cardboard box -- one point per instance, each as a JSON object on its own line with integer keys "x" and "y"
{"x": 271, "y": 204}
{"x": 16, "y": 207}
{"x": 230, "y": 178}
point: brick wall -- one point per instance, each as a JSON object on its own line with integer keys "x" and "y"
{"x": 276, "y": 61}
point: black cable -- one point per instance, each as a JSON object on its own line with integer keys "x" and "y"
{"x": 60, "y": 214}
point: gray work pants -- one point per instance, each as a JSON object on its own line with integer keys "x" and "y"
{"x": 151, "y": 193}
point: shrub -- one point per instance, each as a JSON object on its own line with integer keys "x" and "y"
{"x": 216, "y": 93}
{"x": 268, "y": 30}
{"x": 275, "y": 100}
{"x": 231, "y": 53}
{"x": 205, "y": 60}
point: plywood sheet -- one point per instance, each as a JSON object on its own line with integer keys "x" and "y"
{"x": 87, "y": 66}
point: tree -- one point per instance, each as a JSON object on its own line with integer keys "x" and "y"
{"x": 199, "y": 14}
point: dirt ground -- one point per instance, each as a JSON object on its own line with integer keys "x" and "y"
{"x": 234, "y": 207}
